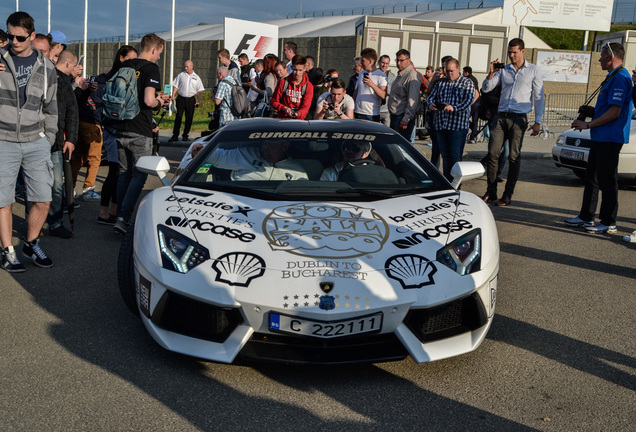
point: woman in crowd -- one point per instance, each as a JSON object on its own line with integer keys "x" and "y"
{"x": 108, "y": 208}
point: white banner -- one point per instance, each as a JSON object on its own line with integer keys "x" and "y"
{"x": 252, "y": 38}
{"x": 594, "y": 15}
{"x": 564, "y": 67}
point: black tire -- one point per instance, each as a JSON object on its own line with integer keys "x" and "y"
{"x": 580, "y": 173}
{"x": 126, "y": 272}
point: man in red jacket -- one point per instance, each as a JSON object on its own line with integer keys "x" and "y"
{"x": 293, "y": 95}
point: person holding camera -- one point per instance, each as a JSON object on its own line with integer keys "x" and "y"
{"x": 293, "y": 95}
{"x": 609, "y": 130}
{"x": 335, "y": 104}
{"x": 451, "y": 99}
{"x": 521, "y": 83}
{"x": 371, "y": 88}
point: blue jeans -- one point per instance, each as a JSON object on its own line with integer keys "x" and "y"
{"x": 131, "y": 147}
{"x": 395, "y": 125}
{"x": 451, "y": 147}
{"x": 56, "y": 211}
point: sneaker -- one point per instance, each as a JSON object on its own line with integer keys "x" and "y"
{"x": 90, "y": 195}
{"x": 33, "y": 251}
{"x": 173, "y": 139}
{"x": 599, "y": 228}
{"x": 185, "y": 139}
{"x": 630, "y": 238}
{"x": 110, "y": 220}
{"x": 121, "y": 226}
{"x": 578, "y": 222}
{"x": 10, "y": 261}
{"x": 61, "y": 232}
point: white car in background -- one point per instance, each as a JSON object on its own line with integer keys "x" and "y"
{"x": 573, "y": 147}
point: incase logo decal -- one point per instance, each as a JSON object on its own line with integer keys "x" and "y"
{"x": 221, "y": 230}
{"x": 430, "y": 233}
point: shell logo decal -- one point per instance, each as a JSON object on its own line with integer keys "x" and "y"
{"x": 238, "y": 268}
{"x": 325, "y": 230}
{"x": 412, "y": 271}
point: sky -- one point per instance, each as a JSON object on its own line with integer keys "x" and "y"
{"x": 107, "y": 17}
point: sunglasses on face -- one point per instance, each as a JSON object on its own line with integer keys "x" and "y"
{"x": 19, "y": 38}
{"x": 352, "y": 148}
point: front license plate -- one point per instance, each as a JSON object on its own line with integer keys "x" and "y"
{"x": 574, "y": 155}
{"x": 333, "y": 329}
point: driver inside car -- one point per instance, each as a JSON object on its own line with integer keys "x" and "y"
{"x": 270, "y": 161}
{"x": 351, "y": 151}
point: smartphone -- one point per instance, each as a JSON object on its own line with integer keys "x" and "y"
{"x": 92, "y": 80}
{"x": 79, "y": 62}
{"x": 167, "y": 89}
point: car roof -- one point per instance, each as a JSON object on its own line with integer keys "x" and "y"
{"x": 270, "y": 124}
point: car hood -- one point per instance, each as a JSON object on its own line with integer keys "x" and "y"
{"x": 384, "y": 247}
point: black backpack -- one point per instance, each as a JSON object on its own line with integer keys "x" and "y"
{"x": 489, "y": 103}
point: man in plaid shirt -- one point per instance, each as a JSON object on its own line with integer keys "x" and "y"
{"x": 223, "y": 96}
{"x": 451, "y": 97}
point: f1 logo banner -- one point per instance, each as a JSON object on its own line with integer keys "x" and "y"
{"x": 252, "y": 38}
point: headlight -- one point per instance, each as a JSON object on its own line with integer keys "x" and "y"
{"x": 178, "y": 252}
{"x": 561, "y": 140}
{"x": 463, "y": 255}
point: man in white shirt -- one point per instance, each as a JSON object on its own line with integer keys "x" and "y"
{"x": 383, "y": 65}
{"x": 269, "y": 162}
{"x": 188, "y": 86}
{"x": 370, "y": 89}
{"x": 334, "y": 104}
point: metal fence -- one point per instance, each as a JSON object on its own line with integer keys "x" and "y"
{"x": 562, "y": 108}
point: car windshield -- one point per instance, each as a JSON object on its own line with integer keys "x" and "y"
{"x": 311, "y": 164}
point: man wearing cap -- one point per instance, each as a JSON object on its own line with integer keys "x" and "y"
{"x": 188, "y": 86}
{"x": 58, "y": 44}
{"x": 351, "y": 151}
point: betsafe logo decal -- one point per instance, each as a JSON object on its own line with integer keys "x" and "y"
{"x": 430, "y": 233}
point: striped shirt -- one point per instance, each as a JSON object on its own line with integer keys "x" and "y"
{"x": 459, "y": 94}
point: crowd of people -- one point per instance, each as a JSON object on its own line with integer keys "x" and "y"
{"x": 55, "y": 116}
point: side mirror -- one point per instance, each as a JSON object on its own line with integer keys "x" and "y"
{"x": 463, "y": 171}
{"x": 155, "y": 165}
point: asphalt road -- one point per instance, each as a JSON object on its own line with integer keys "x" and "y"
{"x": 560, "y": 356}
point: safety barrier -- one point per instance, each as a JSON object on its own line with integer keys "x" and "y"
{"x": 562, "y": 108}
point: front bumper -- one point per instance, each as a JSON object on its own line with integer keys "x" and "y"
{"x": 220, "y": 332}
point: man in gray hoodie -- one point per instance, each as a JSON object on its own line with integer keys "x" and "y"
{"x": 28, "y": 124}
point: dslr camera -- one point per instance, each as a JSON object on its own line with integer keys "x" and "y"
{"x": 327, "y": 79}
{"x": 586, "y": 111}
{"x": 331, "y": 107}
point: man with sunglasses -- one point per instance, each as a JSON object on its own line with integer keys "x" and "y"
{"x": 28, "y": 114}
{"x": 609, "y": 130}
{"x": 351, "y": 151}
